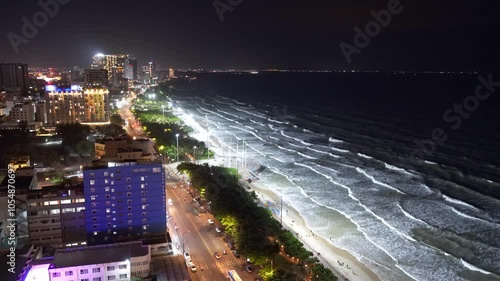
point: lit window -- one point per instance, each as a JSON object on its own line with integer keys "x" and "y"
{"x": 144, "y": 227}
{"x": 144, "y": 207}
{"x": 106, "y": 189}
{"x": 92, "y": 182}
{"x": 108, "y": 210}
{"x": 142, "y": 185}
{"x": 106, "y": 174}
{"x": 92, "y": 197}
{"x": 106, "y": 181}
{"x": 142, "y": 178}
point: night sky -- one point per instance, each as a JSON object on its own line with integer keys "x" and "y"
{"x": 426, "y": 35}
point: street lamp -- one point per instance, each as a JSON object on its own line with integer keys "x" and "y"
{"x": 177, "y": 136}
{"x": 194, "y": 154}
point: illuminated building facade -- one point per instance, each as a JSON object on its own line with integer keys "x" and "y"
{"x": 124, "y": 201}
{"x": 76, "y": 105}
{"x": 108, "y": 62}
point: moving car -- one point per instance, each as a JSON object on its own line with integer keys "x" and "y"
{"x": 235, "y": 253}
{"x": 170, "y": 202}
{"x": 192, "y": 266}
{"x": 187, "y": 256}
{"x": 217, "y": 255}
{"x": 248, "y": 268}
{"x": 218, "y": 230}
{"x": 210, "y": 221}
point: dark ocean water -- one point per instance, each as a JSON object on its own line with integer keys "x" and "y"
{"x": 353, "y": 153}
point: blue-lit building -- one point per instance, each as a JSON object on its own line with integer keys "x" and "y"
{"x": 124, "y": 201}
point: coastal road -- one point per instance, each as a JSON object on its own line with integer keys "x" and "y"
{"x": 198, "y": 237}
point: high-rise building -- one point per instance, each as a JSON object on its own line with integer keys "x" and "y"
{"x": 131, "y": 68}
{"x": 125, "y": 201}
{"x": 77, "y": 105}
{"x": 99, "y": 61}
{"x": 56, "y": 216}
{"x": 108, "y": 62}
{"x": 171, "y": 73}
{"x": 14, "y": 78}
{"x": 152, "y": 67}
{"x": 41, "y": 112}
{"x": 95, "y": 78}
{"x": 23, "y": 112}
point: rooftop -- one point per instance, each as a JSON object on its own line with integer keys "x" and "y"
{"x": 98, "y": 254}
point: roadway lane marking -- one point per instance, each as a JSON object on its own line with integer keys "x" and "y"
{"x": 196, "y": 230}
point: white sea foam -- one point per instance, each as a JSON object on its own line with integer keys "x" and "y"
{"x": 306, "y": 156}
{"x": 316, "y": 150}
{"x": 334, "y": 156}
{"x": 410, "y": 216}
{"x": 466, "y": 215}
{"x": 430, "y": 162}
{"x": 279, "y": 160}
{"x": 290, "y": 137}
{"x": 258, "y": 123}
{"x": 458, "y": 202}
{"x": 250, "y": 112}
{"x": 365, "y": 156}
{"x": 276, "y": 121}
{"x": 372, "y": 178}
{"x": 474, "y": 268}
{"x": 335, "y": 140}
{"x": 339, "y": 150}
{"x": 394, "y": 168}
{"x": 287, "y": 149}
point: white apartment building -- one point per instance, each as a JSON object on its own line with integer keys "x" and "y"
{"x": 23, "y": 112}
{"x": 114, "y": 262}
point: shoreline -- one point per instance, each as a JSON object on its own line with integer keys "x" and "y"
{"x": 330, "y": 255}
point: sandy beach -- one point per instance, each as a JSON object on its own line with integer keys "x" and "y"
{"x": 345, "y": 265}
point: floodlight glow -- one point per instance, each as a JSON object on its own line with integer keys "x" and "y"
{"x": 99, "y": 55}
{"x": 50, "y": 88}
